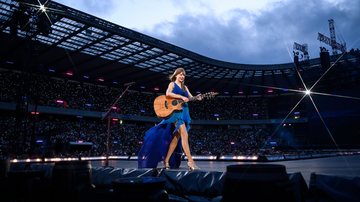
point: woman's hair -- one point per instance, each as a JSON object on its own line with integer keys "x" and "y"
{"x": 176, "y": 72}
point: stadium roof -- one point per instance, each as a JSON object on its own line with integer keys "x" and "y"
{"x": 66, "y": 42}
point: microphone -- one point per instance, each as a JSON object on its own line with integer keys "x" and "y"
{"x": 129, "y": 83}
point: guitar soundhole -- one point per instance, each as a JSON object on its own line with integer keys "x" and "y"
{"x": 174, "y": 102}
{"x": 166, "y": 104}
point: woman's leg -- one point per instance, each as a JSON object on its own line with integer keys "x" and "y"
{"x": 185, "y": 146}
{"x": 171, "y": 149}
{"x": 185, "y": 142}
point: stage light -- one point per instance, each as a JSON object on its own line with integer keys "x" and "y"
{"x": 307, "y": 92}
{"x": 42, "y": 8}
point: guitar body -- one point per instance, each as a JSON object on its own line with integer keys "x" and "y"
{"x": 165, "y": 106}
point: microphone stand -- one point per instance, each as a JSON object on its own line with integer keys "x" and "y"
{"x": 107, "y": 114}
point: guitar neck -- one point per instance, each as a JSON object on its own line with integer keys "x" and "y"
{"x": 192, "y": 98}
{"x": 205, "y": 95}
{"x": 202, "y": 96}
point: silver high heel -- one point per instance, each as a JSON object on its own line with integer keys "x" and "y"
{"x": 166, "y": 165}
{"x": 192, "y": 166}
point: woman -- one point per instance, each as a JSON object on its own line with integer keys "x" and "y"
{"x": 161, "y": 142}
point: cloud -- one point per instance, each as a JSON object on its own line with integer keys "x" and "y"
{"x": 232, "y": 32}
{"x": 93, "y": 7}
{"x": 264, "y": 37}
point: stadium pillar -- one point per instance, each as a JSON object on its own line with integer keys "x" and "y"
{"x": 324, "y": 59}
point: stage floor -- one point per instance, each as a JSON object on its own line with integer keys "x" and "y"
{"x": 335, "y": 166}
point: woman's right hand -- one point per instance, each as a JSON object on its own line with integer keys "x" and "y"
{"x": 185, "y": 99}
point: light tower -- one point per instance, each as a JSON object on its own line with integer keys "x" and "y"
{"x": 332, "y": 40}
{"x": 302, "y": 48}
{"x": 332, "y": 36}
{"x": 304, "y": 56}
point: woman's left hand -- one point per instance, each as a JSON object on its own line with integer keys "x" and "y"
{"x": 199, "y": 97}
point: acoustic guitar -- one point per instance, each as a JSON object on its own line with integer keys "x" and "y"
{"x": 164, "y": 106}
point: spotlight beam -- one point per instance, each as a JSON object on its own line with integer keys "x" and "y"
{"x": 272, "y": 87}
{"x": 334, "y": 95}
{"x": 42, "y": 8}
{"x": 297, "y": 71}
{"x": 337, "y": 60}
{"x": 282, "y": 122}
{"x": 308, "y": 92}
{"x": 323, "y": 121}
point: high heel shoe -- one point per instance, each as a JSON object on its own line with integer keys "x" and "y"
{"x": 166, "y": 165}
{"x": 192, "y": 166}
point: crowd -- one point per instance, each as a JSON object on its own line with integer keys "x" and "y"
{"x": 52, "y": 136}
{"x": 49, "y": 91}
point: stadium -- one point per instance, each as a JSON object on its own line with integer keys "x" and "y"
{"x": 78, "y": 91}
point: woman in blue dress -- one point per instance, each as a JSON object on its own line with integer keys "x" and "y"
{"x": 161, "y": 142}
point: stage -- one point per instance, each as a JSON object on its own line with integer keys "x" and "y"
{"x": 327, "y": 178}
{"x": 337, "y": 166}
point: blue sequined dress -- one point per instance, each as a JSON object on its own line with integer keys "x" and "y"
{"x": 157, "y": 139}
